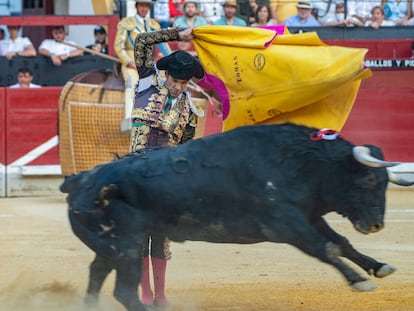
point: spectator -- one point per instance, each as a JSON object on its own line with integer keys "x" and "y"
{"x": 16, "y": 45}
{"x": 263, "y": 16}
{"x": 211, "y": 10}
{"x": 251, "y": 11}
{"x": 100, "y": 44}
{"x": 361, "y": 10}
{"x": 191, "y": 17}
{"x": 128, "y": 28}
{"x": 2, "y": 33}
{"x": 282, "y": 9}
{"x": 56, "y": 49}
{"x": 339, "y": 19}
{"x": 24, "y": 79}
{"x": 304, "y": 17}
{"x": 175, "y": 9}
{"x": 229, "y": 17}
{"x": 398, "y": 11}
{"x": 162, "y": 13}
{"x": 378, "y": 19}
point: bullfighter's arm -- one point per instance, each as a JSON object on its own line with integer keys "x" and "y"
{"x": 143, "y": 49}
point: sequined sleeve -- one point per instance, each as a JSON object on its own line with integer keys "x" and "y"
{"x": 143, "y": 49}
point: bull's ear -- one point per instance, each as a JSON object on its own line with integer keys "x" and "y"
{"x": 363, "y": 155}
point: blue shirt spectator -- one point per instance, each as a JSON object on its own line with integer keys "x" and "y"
{"x": 190, "y": 17}
{"x": 230, "y": 18}
{"x": 304, "y": 17}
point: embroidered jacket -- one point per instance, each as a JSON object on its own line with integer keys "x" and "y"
{"x": 128, "y": 29}
{"x": 155, "y": 123}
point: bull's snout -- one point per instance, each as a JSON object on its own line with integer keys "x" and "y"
{"x": 369, "y": 228}
{"x": 375, "y": 228}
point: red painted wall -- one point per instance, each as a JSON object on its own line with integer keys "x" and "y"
{"x": 32, "y": 119}
{"x": 384, "y": 49}
{"x": 383, "y": 114}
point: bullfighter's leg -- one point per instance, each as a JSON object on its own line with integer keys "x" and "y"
{"x": 160, "y": 253}
{"x": 367, "y": 263}
{"x": 98, "y": 271}
{"x": 147, "y": 296}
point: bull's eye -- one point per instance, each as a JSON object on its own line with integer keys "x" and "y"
{"x": 369, "y": 181}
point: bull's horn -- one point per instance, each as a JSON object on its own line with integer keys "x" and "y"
{"x": 395, "y": 179}
{"x": 362, "y": 155}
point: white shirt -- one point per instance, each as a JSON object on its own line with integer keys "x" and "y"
{"x": 17, "y": 85}
{"x": 212, "y": 9}
{"x": 56, "y": 48}
{"x": 17, "y": 45}
{"x": 162, "y": 10}
{"x": 361, "y": 8}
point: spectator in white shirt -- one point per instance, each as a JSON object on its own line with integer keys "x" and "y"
{"x": 361, "y": 10}
{"x": 16, "y": 45}
{"x": 24, "y": 78}
{"x": 56, "y": 50}
{"x": 211, "y": 10}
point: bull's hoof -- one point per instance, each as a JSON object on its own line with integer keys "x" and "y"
{"x": 364, "y": 286}
{"x": 384, "y": 271}
{"x": 91, "y": 301}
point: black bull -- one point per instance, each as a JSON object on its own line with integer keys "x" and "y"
{"x": 253, "y": 184}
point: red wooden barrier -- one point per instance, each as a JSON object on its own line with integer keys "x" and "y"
{"x": 384, "y": 49}
{"x": 32, "y": 120}
{"x": 383, "y": 114}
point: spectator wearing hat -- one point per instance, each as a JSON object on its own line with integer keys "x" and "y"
{"x": 56, "y": 49}
{"x": 229, "y": 17}
{"x": 128, "y": 28}
{"x": 163, "y": 115}
{"x": 16, "y": 45}
{"x": 304, "y": 17}
{"x": 211, "y": 10}
{"x": 100, "y": 44}
{"x": 191, "y": 17}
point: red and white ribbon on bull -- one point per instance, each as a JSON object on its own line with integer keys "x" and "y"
{"x": 326, "y": 134}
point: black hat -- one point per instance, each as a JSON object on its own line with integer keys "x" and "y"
{"x": 181, "y": 65}
{"x": 99, "y": 29}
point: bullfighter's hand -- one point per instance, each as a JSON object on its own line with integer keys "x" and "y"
{"x": 186, "y": 34}
{"x": 131, "y": 65}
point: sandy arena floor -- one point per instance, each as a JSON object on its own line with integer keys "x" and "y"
{"x": 44, "y": 267}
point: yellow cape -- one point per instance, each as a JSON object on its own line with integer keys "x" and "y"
{"x": 268, "y": 78}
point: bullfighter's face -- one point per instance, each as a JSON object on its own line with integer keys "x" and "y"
{"x": 175, "y": 86}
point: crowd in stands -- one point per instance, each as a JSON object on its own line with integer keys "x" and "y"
{"x": 192, "y": 13}
{"x": 290, "y": 12}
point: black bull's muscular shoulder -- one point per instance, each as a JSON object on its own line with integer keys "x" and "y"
{"x": 257, "y": 183}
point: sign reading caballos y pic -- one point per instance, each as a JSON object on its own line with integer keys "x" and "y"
{"x": 389, "y": 63}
